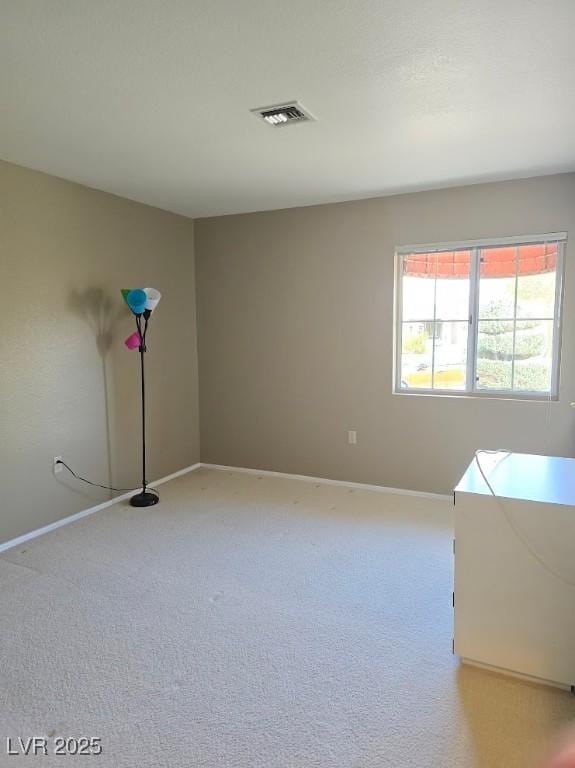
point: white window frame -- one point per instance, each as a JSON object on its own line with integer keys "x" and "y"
{"x": 474, "y": 246}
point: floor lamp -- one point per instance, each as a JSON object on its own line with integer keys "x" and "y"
{"x": 142, "y": 302}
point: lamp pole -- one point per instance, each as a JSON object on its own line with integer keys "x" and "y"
{"x": 145, "y": 498}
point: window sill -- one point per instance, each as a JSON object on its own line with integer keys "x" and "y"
{"x": 536, "y": 397}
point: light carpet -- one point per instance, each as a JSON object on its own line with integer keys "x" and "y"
{"x": 255, "y": 623}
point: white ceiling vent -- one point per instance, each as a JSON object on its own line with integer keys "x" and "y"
{"x": 284, "y": 114}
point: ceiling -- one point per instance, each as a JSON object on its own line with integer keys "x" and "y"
{"x": 151, "y": 99}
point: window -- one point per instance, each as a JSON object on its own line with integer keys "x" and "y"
{"x": 480, "y": 318}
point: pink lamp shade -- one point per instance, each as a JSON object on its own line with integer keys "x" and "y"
{"x": 133, "y": 341}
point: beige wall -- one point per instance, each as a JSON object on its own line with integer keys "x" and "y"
{"x": 295, "y": 338}
{"x": 67, "y": 384}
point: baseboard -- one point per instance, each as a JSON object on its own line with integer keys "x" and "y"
{"x": 173, "y": 476}
{"x": 327, "y": 481}
{"x": 246, "y": 470}
{"x": 517, "y": 675}
{"x": 90, "y": 511}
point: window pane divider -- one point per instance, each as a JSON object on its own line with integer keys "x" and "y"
{"x": 471, "y": 382}
{"x": 549, "y": 318}
{"x": 456, "y": 319}
{"x": 398, "y": 335}
{"x": 434, "y": 326}
{"x": 514, "y": 317}
{"x": 557, "y": 319}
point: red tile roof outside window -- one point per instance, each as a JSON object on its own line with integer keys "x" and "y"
{"x": 505, "y": 261}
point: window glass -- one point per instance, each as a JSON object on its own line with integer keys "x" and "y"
{"x": 494, "y": 354}
{"x": 416, "y": 356}
{"x": 450, "y": 355}
{"x": 533, "y": 357}
{"x": 508, "y": 347}
{"x": 452, "y": 286}
{"x": 435, "y": 294}
{"x": 536, "y": 281}
{"x": 418, "y": 289}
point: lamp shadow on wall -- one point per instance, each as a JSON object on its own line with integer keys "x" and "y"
{"x": 101, "y": 313}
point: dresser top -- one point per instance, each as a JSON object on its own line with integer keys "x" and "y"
{"x": 548, "y": 479}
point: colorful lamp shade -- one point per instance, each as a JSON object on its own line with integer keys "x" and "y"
{"x": 153, "y": 297}
{"x": 134, "y": 340}
{"x": 136, "y": 300}
{"x": 141, "y": 299}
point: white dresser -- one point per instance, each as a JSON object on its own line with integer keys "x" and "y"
{"x": 514, "y": 594}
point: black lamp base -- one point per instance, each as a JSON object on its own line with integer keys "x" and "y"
{"x": 144, "y": 499}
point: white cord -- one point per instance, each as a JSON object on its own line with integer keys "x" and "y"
{"x": 510, "y": 522}
{"x": 501, "y": 505}
{"x": 480, "y": 468}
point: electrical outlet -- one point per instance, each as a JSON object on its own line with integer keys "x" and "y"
{"x": 352, "y": 437}
{"x": 56, "y": 467}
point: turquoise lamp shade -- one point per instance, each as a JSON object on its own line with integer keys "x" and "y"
{"x": 153, "y": 297}
{"x": 136, "y": 300}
